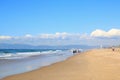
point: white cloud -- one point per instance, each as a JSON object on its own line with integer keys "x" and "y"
{"x": 72, "y": 36}
{"x": 5, "y": 37}
{"x": 28, "y": 36}
{"x": 102, "y": 33}
{"x": 57, "y": 35}
{"x": 114, "y": 32}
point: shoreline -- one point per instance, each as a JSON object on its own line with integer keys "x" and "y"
{"x": 40, "y": 67}
{"x": 11, "y": 67}
{"x": 96, "y": 64}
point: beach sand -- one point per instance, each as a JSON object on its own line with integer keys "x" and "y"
{"x": 97, "y": 64}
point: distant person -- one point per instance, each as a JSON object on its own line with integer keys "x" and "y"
{"x": 74, "y": 51}
{"x": 113, "y": 49}
{"x": 79, "y": 51}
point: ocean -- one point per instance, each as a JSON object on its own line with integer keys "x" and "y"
{"x": 15, "y": 61}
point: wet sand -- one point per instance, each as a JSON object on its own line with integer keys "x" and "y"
{"x": 97, "y": 64}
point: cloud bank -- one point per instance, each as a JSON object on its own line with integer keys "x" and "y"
{"x": 96, "y": 37}
{"x": 109, "y": 34}
{"x": 5, "y": 37}
{"x": 55, "y": 36}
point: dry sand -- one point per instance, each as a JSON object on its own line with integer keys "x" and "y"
{"x": 97, "y": 64}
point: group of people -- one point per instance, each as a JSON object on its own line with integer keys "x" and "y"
{"x": 76, "y": 51}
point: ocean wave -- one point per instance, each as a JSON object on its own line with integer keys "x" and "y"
{"x": 19, "y": 55}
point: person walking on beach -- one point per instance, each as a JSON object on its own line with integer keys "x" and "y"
{"x": 74, "y": 51}
{"x": 113, "y": 49}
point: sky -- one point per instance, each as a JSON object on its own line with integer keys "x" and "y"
{"x": 60, "y": 22}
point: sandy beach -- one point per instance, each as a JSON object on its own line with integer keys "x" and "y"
{"x": 96, "y": 64}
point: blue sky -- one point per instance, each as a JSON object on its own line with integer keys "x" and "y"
{"x": 36, "y": 17}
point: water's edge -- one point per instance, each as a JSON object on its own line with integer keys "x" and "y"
{"x": 20, "y": 66}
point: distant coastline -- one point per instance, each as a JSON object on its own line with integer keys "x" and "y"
{"x": 25, "y": 46}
